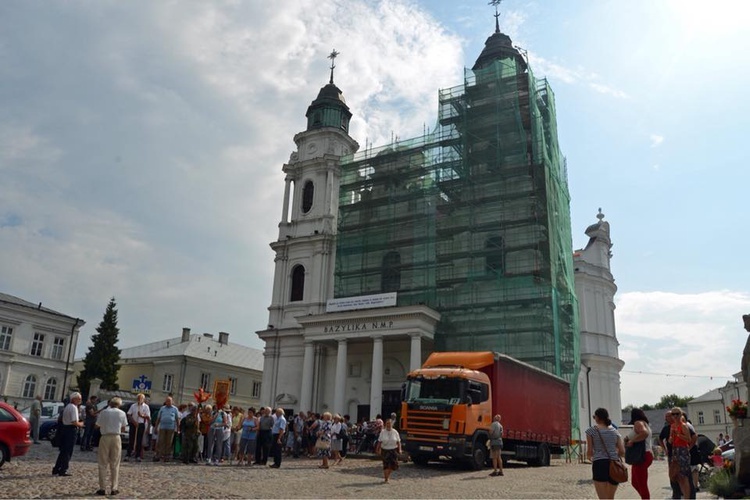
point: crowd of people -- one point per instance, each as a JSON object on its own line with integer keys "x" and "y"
{"x": 677, "y": 438}
{"x": 214, "y": 435}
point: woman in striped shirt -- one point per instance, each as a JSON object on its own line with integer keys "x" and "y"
{"x": 603, "y": 443}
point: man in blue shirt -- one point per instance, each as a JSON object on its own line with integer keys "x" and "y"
{"x": 277, "y": 433}
{"x": 167, "y": 421}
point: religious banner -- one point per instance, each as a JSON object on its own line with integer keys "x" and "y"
{"x": 141, "y": 385}
{"x": 221, "y": 392}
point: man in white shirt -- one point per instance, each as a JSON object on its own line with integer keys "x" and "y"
{"x": 67, "y": 428}
{"x": 139, "y": 416}
{"x": 111, "y": 422}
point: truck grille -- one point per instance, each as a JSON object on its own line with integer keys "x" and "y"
{"x": 427, "y": 425}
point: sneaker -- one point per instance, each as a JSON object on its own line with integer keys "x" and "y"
{"x": 114, "y": 492}
{"x": 101, "y": 492}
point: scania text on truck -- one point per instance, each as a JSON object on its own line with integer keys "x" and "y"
{"x": 448, "y": 405}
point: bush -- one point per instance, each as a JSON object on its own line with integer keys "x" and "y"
{"x": 723, "y": 484}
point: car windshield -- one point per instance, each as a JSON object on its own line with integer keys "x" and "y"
{"x": 435, "y": 390}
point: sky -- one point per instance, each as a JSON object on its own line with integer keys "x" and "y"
{"x": 141, "y": 146}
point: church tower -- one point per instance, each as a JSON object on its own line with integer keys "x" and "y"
{"x": 306, "y": 246}
{"x": 599, "y": 381}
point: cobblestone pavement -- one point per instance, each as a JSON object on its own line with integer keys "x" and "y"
{"x": 30, "y": 477}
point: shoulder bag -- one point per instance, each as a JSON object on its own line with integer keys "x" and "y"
{"x": 618, "y": 471}
{"x": 635, "y": 454}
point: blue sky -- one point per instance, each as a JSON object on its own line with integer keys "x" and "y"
{"x": 141, "y": 146}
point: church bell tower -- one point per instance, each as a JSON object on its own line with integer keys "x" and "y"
{"x": 306, "y": 247}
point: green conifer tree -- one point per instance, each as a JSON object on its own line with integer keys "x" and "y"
{"x": 101, "y": 361}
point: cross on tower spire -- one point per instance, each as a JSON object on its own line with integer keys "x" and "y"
{"x": 332, "y": 56}
{"x": 496, "y": 3}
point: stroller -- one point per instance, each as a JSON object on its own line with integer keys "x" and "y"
{"x": 700, "y": 457}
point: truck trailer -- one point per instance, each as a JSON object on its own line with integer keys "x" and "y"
{"x": 448, "y": 405}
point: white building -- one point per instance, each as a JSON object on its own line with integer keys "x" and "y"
{"x": 182, "y": 365}
{"x": 708, "y": 414}
{"x": 599, "y": 383}
{"x": 37, "y": 345}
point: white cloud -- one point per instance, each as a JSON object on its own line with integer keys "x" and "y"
{"x": 573, "y": 76}
{"x": 149, "y": 166}
{"x": 656, "y": 140}
{"x": 606, "y": 89}
{"x": 678, "y": 343}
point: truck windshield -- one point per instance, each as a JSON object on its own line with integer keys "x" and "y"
{"x": 435, "y": 390}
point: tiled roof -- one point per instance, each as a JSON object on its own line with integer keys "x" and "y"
{"x": 199, "y": 347}
{"x": 712, "y": 395}
{"x": 10, "y": 299}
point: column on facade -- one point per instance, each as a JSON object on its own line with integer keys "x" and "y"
{"x": 285, "y": 210}
{"x": 415, "y": 359}
{"x": 376, "y": 384}
{"x": 339, "y": 391}
{"x": 305, "y": 400}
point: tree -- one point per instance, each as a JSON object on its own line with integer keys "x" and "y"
{"x": 672, "y": 400}
{"x": 101, "y": 361}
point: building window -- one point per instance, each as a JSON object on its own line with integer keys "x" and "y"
{"x": 308, "y": 193}
{"x": 5, "y": 335}
{"x": 205, "y": 381}
{"x": 717, "y": 416}
{"x": 167, "y": 385}
{"x": 355, "y": 370}
{"x": 50, "y": 390}
{"x": 29, "y": 387}
{"x": 701, "y": 420}
{"x": 232, "y": 385}
{"x": 256, "y": 389}
{"x": 37, "y": 346}
{"x": 390, "y": 279}
{"x": 58, "y": 347}
{"x": 298, "y": 284}
{"x": 494, "y": 256}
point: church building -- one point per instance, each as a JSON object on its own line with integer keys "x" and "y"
{"x": 459, "y": 239}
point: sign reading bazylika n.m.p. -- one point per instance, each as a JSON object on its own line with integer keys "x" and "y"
{"x": 361, "y": 302}
{"x": 141, "y": 384}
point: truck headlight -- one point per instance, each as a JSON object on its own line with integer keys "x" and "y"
{"x": 446, "y": 424}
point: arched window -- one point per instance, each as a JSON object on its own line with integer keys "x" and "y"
{"x": 50, "y": 389}
{"x": 390, "y": 279}
{"x": 29, "y": 387}
{"x": 495, "y": 254}
{"x": 307, "y": 196}
{"x": 298, "y": 284}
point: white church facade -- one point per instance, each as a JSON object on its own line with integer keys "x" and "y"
{"x": 350, "y": 355}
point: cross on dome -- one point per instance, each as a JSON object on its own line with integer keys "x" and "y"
{"x": 332, "y": 56}
{"x": 496, "y": 3}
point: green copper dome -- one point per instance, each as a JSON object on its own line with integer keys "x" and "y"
{"x": 329, "y": 109}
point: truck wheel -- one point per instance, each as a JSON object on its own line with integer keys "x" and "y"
{"x": 52, "y": 433}
{"x": 543, "y": 456}
{"x": 420, "y": 460}
{"x": 478, "y": 457}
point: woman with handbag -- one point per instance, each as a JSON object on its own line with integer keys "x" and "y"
{"x": 323, "y": 441}
{"x": 638, "y": 451}
{"x": 603, "y": 446}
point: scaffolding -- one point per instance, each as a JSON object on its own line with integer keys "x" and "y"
{"x": 473, "y": 220}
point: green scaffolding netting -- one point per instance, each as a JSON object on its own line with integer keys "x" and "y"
{"x": 473, "y": 220}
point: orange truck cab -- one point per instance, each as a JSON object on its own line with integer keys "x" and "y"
{"x": 448, "y": 405}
